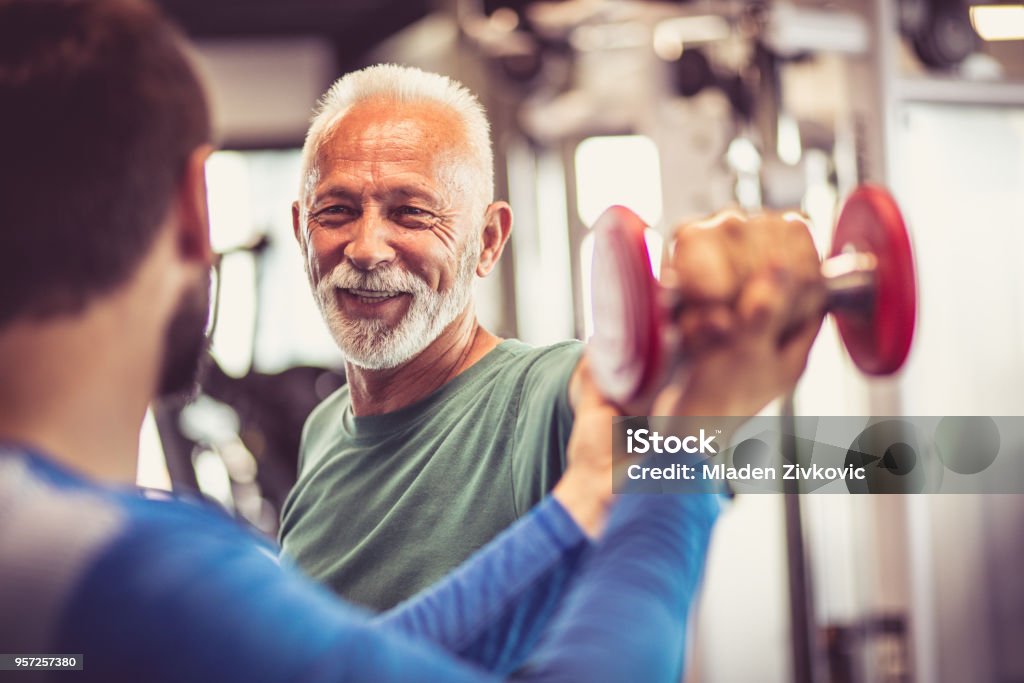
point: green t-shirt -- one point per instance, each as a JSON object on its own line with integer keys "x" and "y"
{"x": 386, "y": 505}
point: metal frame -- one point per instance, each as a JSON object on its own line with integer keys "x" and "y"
{"x": 952, "y": 91}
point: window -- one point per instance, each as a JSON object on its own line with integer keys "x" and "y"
{"x": 620, "y": 169}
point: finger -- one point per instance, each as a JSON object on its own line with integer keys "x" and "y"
{"x": 800, "y": 250}
{"x": 786, "y": 236}
{"x": 763, "y": 308}
{"x": 704, "y": 327}
{"x": 710, "y": 258}
{"x": 702, "y": 267}
{"x": 808, "y": 294}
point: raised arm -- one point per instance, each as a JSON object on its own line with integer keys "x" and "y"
{"x": 492, "y": 610}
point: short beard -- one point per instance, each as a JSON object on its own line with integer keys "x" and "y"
{"x": 372, "y": 345}
{"x": 186, "y": 345}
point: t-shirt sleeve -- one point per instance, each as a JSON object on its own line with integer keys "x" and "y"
{"x": 492, "y": 610}
{"x": 544, "y": 422}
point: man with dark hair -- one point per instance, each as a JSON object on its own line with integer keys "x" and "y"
{"x": 105, "y": 249}
{"x": 105, "y": 133}
{"x": 121, "y": 117}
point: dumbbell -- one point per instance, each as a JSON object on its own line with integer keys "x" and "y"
{"x": 868, "y": 279}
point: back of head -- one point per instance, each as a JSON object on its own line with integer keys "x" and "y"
{"x": 99, "y": 112}
{"x": 403, "y": 84}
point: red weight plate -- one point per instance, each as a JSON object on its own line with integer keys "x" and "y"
{"x": 626, "y": 349}
{"x": 879, "y": 340}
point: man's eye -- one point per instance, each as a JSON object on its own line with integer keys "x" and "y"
{"x": 413, "y": 211}
{"x": 331, "y": 216}
{"x": 413, "y": 217}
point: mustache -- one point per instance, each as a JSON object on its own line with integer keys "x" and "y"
{"x": 385, "y": 279}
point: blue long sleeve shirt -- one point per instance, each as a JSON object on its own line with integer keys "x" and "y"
{"x": 157, "y": 590}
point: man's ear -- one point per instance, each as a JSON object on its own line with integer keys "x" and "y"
{"x": 497, "y": 227}
{"x": 193, "y": 211}
{"x": 297, "y": 223}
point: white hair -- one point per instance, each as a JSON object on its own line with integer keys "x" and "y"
{"x": 407, "y": 84}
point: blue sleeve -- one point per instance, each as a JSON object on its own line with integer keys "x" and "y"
{"x": 492, "y": 610}
{"x": 625, "y": 619}
{"x": 184, "y": 596}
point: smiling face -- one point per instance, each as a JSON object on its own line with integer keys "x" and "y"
{"x": 390, "y": 227}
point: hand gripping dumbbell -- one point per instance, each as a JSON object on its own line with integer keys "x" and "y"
{"x": 868, "y": 279}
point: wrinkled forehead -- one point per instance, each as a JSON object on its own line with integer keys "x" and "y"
{"x": 423, "y": 133}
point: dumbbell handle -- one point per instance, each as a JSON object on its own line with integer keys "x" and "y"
{"x": 848, "y": 280}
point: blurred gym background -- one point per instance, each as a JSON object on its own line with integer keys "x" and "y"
{"x": 676, "y": 109}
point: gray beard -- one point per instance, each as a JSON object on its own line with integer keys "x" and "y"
{"x": 372, "y": 345}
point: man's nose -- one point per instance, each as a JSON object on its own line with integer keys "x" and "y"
{"x": 369, "y": 246}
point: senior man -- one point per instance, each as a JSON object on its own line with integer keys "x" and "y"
{"x": 444, "y": 434}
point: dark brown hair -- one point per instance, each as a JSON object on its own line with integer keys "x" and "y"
{"x": 100, "y": 109}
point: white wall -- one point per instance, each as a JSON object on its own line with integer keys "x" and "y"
{"x": 742, "y": 624}
{"x": 960, "y": 180}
